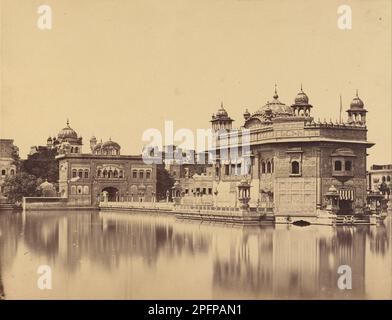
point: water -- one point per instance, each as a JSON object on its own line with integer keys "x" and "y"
{"x": 138, "y": 256}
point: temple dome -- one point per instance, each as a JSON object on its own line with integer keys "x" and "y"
{"x": 247, "y": 114}
{"x": 265, "y": 114}
{"x": 67, "y": 133}
{"x": 221, "y": 112}
{"x": 357, "y": 103}
{"x": 301, "y": 98}
{"x": 47, "y": 189}
{"x": 107, "y": 148}
{"x": 111, "y": 143}
{"x": 275, "y": 108}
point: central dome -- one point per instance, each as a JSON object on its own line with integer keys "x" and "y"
{"x": 67, "y": 133}
{"x": 275, "y": 108}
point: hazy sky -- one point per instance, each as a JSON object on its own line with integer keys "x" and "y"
{"x": 116, "y": 68}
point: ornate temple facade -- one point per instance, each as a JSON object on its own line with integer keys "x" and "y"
{"x": 290, "y": 160}
{"x": 102, "y": 174}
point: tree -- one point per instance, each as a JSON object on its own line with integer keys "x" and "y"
{"x": 21, "y": 185}
{"x": 384, "y": 189}
{"x": 42, "y": 164}
{"x": 164, "y": 182}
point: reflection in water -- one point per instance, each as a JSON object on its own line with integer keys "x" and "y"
{"x": 120, "y": 256}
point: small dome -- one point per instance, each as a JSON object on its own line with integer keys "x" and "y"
{"x": 301, "y": 98}
{"x": 97, "y": 147}
{"x": 357, "y": 103}
{"x": 49, "y": 139}
{"x": 111, "y": 143}
{"x": 47, "y": 189}
{"x": 67, "y": 132}
{"x": 46, "y": 185}
{"x": 93, "y": 138}
{"x": 246, "y": 114}
{"x": 221, "y": 112}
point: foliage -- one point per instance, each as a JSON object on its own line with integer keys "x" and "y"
{"x": 42, "y": 164}
{"x": 21, "y": 185}
{"x": 164, "y": 182}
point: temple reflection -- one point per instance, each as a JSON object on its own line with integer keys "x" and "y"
{"x": 151, "y": 254}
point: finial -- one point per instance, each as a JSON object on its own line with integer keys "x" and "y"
{"x": 357, "y": 93}
{"x": 221, "y": 104}
{"x": 301, "y": 87}
{"x": 67, "y": 122}
{"x": 276, "y": 92}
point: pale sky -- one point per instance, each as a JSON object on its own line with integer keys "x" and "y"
{"x": 116, "y": 68}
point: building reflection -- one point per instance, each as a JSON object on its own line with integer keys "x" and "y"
{"x": 279, "y": 261}
{"x": 10, "y": 230}
{"x": 104, "y": 238}
{"x": 289, "y": 262}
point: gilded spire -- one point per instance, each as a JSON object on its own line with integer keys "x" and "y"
{"x": 276, "y": 93}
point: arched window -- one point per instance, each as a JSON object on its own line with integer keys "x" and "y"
{"x": 105, "y": 173}
{"x": 148, "y": 174}
{"x": 388, "y": 178}
{"x": 76, "y": 149}
{"x": 263, "y": 167}
{"x": 74, "y": 173}
{"x": 73, "y": 189}
{"x": 115, "y": 174}
{"x": 80, "y": 173}
{"x": 86, "y": 174}
{"x": 121, "y": 174}
{"x": 348, "y": 165}
{"x": 134, "y": 174}
{"x": 383, "y": 178}
{"x": 80, "y": 189}
{"x": 141, "y": 174}
{"x": 99, "y": 173}
{"x": 86, "y": 190}
{"x": 72, "y": 149}
{"x": 338, "y": 165}
{"x": 12, "y": 172}
{"x": 295, "y": 167}
{"x": 268, "y": 167}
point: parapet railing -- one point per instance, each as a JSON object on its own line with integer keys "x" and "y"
{"x": 39, "y": 202}
{"x": 140, "y": 205}
{"x": 191, "y": 208}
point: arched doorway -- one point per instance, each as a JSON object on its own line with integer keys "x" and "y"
{"x": 112, "y": 192}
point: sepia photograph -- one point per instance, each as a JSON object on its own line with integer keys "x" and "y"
{"x": 196, "y": 150}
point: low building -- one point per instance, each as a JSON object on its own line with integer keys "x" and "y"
{"x": 104, "y": 174}
{"x": 379, "y": 178}
{"x": 7, "y": 163}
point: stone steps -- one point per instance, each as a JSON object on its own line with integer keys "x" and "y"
{"x": 350, "y": 219}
